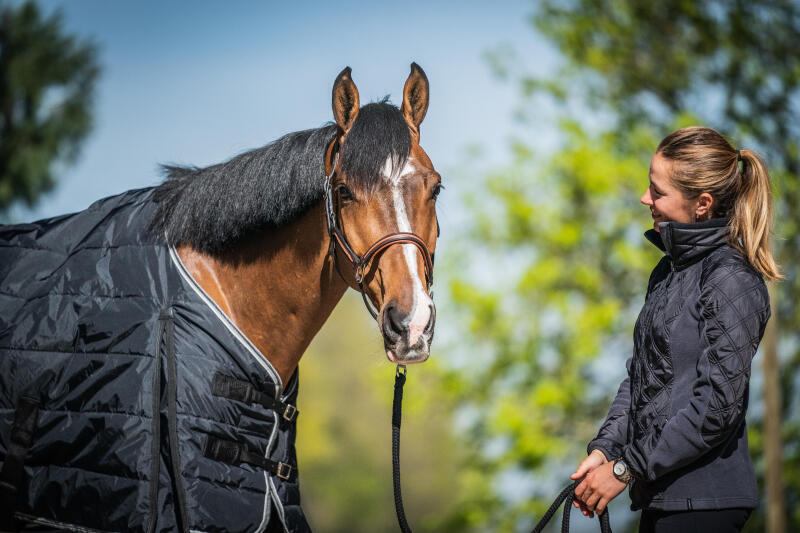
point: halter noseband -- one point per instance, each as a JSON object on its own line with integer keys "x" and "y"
{"x": 360, "y": 263}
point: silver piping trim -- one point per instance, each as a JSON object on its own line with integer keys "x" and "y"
{"x": 268, "y": 488}
{"x": 235, "y": 331}
{"x": 292, "y": 386}
{"x": 278, "y": 505}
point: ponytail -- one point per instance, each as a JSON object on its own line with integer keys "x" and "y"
{"x": 751, "y": 215}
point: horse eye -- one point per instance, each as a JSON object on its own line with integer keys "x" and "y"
{"x": 344, "y": 193}
{"x": 436, "y": 190}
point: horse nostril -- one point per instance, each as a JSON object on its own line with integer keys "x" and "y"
{"x": 431, "y": 321}
{"x": 392, "y": 323}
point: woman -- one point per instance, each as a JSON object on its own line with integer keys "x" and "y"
{"x": 676, "y": 431}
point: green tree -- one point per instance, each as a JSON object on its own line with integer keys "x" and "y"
{"x": 46, "y": 87}
{"x": 554, "y": 333}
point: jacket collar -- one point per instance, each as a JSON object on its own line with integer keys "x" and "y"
{"x": 687, "y": 243}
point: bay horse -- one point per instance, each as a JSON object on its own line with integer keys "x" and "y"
{"x": 283, "y": 283}
{"x": 150, "y": 343}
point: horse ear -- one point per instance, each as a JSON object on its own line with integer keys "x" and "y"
{"x": 345, "y": 101}
{"x": 415, "y": 97}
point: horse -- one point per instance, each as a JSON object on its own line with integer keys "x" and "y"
{"x": 149, "y": 345}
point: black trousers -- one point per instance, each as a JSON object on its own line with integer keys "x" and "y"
{"x": 716, "y": 521}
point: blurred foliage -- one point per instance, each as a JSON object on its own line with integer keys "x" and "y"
{"x": 46, "y": 89}
{"x": 533, "y": 392}
{"x": 344, "y": 432}
{"x": 548, "y": 314}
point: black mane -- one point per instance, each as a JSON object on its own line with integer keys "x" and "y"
{"x": 210, "y": 208}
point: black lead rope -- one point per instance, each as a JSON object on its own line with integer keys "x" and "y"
{"x": 397, "y": 415}
{"x": 567, "y": 495}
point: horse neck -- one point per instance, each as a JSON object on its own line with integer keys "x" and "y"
{"x": 278, "y": 287}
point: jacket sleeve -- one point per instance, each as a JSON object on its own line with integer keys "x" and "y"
{"x": 733, "y": 310}
{"x": 613, "y": 433}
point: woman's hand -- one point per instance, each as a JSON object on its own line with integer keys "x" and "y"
{"x": 592, "y": 461}
{"x": 599, "y": 487}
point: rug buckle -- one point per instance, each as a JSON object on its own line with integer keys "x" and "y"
{"x": 284, "y": 471}
{"x": 290, "y": 413}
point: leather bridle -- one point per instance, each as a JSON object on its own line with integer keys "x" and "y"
{"x": 361, "y": 263}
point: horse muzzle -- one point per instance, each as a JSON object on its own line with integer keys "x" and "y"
{"x": 407, "y": 337}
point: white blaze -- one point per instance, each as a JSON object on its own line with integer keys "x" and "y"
{"x": 421, "y": 307}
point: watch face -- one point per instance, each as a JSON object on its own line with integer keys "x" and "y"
{"x": 619, "y": 468}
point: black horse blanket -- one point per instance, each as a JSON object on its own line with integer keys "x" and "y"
{"x": 128, "y": 400}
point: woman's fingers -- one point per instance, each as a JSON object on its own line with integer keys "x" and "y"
{"x": 583, "y": 493}
{"x": 584, "y": 510}
{"x": 582, "y": 469}
{"x": 580, "y": 490}
{"x": 595, "y": 459}
{"x": 592, "y": 500}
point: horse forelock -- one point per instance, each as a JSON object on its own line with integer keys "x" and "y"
{"x": 380, "y": 133}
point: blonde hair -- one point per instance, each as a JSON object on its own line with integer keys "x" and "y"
{"x": 706, "y": 162}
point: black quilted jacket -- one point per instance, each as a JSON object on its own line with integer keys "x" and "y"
{"x": 679, "y": 418}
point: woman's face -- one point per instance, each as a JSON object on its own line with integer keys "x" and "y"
{"x": 666, "y": 202}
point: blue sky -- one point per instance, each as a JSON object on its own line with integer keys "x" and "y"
{"x": 197, "y": 83}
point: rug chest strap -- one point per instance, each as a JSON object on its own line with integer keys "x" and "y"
{"x": 233, "y": 453}
{"x": 243, "y": 391}
{"x": 12, "y": 476}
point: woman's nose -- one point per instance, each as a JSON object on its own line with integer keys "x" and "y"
{"x": 645, "y": 199}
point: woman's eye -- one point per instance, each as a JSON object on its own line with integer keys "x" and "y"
{"x": 344, "y": 192}
{"x": 436, "y": 190}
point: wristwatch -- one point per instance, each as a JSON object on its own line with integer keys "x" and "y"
{"x": 621, "y": 471}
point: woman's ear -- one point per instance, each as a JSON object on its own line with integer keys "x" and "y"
{"x": 703, "y": 208}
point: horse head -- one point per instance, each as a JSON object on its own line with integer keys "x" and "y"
{"x": 382, "y": 212}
